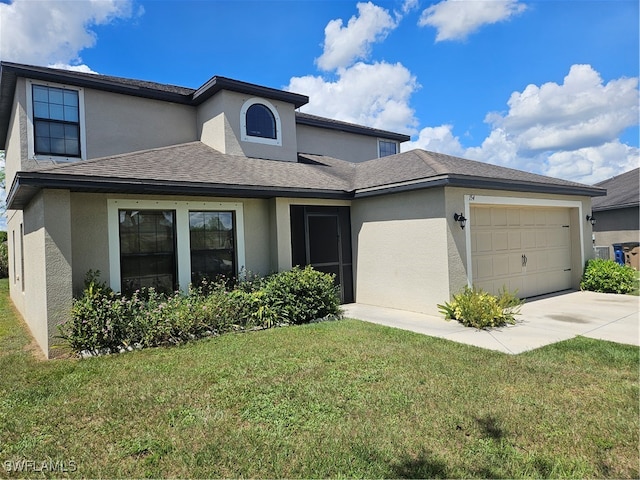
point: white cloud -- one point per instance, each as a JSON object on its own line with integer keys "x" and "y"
{"x": 344, "y": 45}
{"x": 456, "y": 19}
{"x": 54, "y": 31}
{"x": 582, "y": 112}
{"x": 569, "y": 131}
{"x": 73, "y": 68}
{"x": 437, "y": 139}
{"x": 593, "y": 164}
{"x": 376, "y": 95}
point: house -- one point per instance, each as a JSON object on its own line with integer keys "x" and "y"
{"x": 159, "y": 185}
{"x": 618, "y": 216}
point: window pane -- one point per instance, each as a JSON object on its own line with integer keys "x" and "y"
{"x": 41, "y": 110}
{"x": 55, "y": 96}
{"x": 71, "y": 114}
{"x": 56, "y": 112}
{"x": 43, "y": 145}
{"x": 260, "y": 122}
{"x": 57, "y": 130}
{"x": 71, "y": 132}
{"x": 71, "y": 147}
{"x": 57, "y": 146}
{"x": 42, "y": 129}
{"x": 388, "y": 148}
{"x": 40, "y": 94}
{"x": 147, "y": 250}
{"x": 212, "y": 245}
{"x": 71, "y": 98}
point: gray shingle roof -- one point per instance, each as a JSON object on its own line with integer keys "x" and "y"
{"x": 197, "y": 169}
{"x": 622, "y": 191}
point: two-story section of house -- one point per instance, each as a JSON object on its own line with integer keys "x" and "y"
{"x": 158, "y": 185}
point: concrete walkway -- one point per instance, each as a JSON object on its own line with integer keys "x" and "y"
{"x": 543, "y": 321}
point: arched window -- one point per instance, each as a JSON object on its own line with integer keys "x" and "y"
{"x": 260, "y": 122}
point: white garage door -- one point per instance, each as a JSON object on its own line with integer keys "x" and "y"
{"x": 521, "y": 248}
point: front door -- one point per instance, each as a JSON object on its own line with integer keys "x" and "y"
{"x": 321, "y": 237}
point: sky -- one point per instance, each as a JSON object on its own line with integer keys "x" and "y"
{"x": 545, "y": 86}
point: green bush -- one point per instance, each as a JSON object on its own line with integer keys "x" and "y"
{"x": 103, "y": 321}
{"x": 301, "y": 295}
{"x": 607, "y": 276}
{"x": 4, "y": 259}
{"x": 477, "y": 308}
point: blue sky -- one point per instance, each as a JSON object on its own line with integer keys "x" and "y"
{"x": 544, "y": 86}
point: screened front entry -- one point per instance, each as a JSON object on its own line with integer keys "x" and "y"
{"x": 321, "y": 237}
{"x": 150, "y": 246}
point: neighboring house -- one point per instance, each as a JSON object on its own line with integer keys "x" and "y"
{"x": 157, "y": 185}
{"x": 618, "y": 214}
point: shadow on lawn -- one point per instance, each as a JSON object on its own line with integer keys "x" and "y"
{"x": 425, "y": 465}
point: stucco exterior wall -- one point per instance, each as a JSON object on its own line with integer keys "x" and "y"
{"x": 223, "y": 110}
{"x": 333, "y": 143}
{"x": 16, "y": 147}
{"x": 134, "y": 123}
{"x": 400, "y": 250}
{"x": 46, "y": 300}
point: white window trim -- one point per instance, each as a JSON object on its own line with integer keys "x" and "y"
{"x": 30, "y": 131}
{"x": 470, "y": 200}
{"x": 243, "y": 123}
{"x": 388, "y": 141}
{"x": 183, "y": 248}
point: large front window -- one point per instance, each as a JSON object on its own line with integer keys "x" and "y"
{"x": 56, "y": 121}
{"x": 169, "y": 244}
{"x": 212, "y": 245}
{"x": 148, "y": 250}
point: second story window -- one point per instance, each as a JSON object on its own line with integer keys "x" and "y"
{"x": 260, "y": 122}
{"x": 56, "y": 121}
{"x": 386, "y": 148}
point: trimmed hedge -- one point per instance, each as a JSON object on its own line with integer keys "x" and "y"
{"x": 607, "y": 276}
{"x": 103, "y": 321}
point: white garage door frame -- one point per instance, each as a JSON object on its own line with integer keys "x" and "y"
{"x": 470, "y": 200}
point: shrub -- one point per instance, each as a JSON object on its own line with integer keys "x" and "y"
{"x": 301, "y": 295}
{"x": 104, "y": 321}
{"x": 4, "y": 259}
{"x": 607, "y": 276}
{"x": 477, "y": 308}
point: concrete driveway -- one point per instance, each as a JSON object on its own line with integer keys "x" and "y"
{"x": 544, "y": 320}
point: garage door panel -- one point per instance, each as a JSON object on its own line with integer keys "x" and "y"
{"x": 484, "y": 267}
{"x": 499, "y": 217}
{"x": 515, "y": 240}
{"x": 527, "y": 249}
{"x": 513, "y": 217}
{"x": 484, "y": 241}
{"x": 500, "y": 240}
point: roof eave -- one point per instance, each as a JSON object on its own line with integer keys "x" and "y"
{"x": 478, "y": 182}
{"x": 215, "y": 84}
{"x": 351, "y": 128}
{"x": 27, "y": 184}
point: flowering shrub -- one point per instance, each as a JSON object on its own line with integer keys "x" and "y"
{"x": 105, "y": 321}
{"x": 477, "y": 308}
{"x": 607, "y": 276}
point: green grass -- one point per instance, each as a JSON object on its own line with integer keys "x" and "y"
{"x": 335, "y": 399}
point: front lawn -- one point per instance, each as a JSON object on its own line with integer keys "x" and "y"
{"x": 334, "y": 399}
